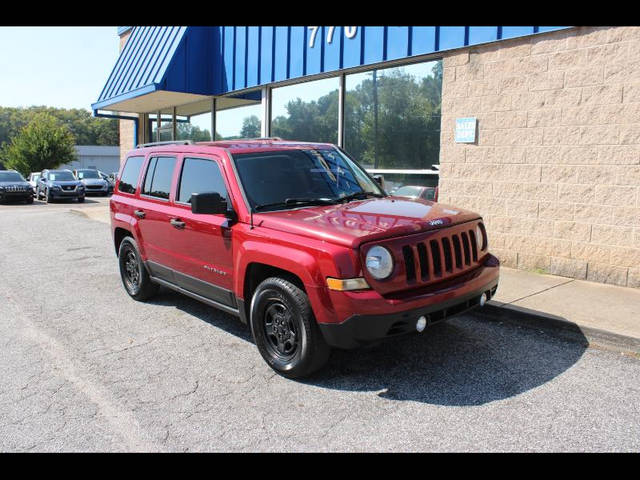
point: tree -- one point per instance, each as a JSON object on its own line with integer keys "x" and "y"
{"x": 250, "y": 127}
{"x": 86, "y": 129}
{"x": 44, "y": 143}
{"x": 186, "y": 131}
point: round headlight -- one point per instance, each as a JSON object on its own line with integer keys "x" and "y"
{"x": 379, "y": 262}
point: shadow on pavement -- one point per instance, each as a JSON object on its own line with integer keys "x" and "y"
{"x": 467, "y": 360}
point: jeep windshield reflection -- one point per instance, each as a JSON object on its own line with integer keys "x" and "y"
{"x": 294, "y": 178}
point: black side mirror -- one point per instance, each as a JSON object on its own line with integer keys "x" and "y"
{"x": 379, "y": 180}
{"x": 211, "y": 203}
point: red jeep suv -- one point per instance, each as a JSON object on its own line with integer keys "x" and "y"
{"x": 298, "y": 241}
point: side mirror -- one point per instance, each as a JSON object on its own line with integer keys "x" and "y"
{"x": 380, "y": 180}
{"x": 211, "y": 203}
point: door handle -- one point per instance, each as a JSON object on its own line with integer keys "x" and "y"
{"x": 139, "y": 213}
{"x": 176, "y": 222}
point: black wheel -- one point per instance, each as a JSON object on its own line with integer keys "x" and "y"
{"x": 285, "y": 330}
{"x": 48, "y": 198}
{"x": 29, "y": 200}
{"x": 134, "y": 276}
{"x": 80, "y": 199}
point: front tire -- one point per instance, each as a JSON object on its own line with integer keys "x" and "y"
{"x": 80, "y": 199}
{"x": 135, "y": 279}
{"x": 285, "y": 330}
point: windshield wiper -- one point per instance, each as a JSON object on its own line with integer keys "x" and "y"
{"x": 360, "y": 196}
{"x": 297, "y": 202}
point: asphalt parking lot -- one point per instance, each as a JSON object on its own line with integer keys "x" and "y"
{"x": 85, "y": 368}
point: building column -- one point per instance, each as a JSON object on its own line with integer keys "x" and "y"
{"x": 213, "y": 119}
{"x": 341, "y": 93}
{"x": 174, "y": 125}
{"x": 265, "y": 125}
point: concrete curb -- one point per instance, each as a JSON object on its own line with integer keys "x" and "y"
{"x": 561, "y": 327}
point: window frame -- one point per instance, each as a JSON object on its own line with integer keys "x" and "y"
{"x": 143, "y": 180}
{"x": 124, "y": 165}
{"x": 196, "y": 156}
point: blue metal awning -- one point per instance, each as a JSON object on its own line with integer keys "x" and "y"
{"x": 163, "y": 67}
{"x": 156, "y": 59}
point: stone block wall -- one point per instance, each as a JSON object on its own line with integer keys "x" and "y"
{"x": 555, "y": 170}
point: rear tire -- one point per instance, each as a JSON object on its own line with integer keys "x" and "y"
{"x": 134, "y": 275}
{"x": 285, "y": 330}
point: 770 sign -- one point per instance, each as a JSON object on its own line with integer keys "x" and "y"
{"x": 349, "y": 32}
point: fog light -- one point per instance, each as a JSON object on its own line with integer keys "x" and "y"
{"x": 421, "y": 324}
{"x": 483, "y": 299}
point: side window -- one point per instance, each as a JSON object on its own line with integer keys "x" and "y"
{"x": 157, "y": 182}
{"x": 130, "y": 174}
{"x": 199, "y": 176}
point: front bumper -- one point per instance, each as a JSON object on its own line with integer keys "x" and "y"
{"x": 24, "y": 195}
{"x": 381, "y": 318}
{"x": 56, "y": 194}
{"x": 90, "y": 189}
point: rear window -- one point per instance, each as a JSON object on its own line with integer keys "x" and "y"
{"x": 130, "y": 174}
{"x": 157, "y": 182}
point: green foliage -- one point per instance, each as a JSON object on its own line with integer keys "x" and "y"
{"x": 44, "y": 143}
{"x": 250, "y": 127}
{"x": 390, "y": 122}
{"x": 86, "y": 129}
{"x": 186, "y": 131}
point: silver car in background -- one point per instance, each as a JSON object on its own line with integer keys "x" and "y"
{"x": 93, "y": 182}
{"x": 33, "y": 181}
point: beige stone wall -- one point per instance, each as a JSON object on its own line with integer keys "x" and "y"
{"x": 555, "y": 170}
{"x": 126, "y": 126}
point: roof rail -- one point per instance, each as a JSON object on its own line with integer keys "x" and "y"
{"x": 168, "y": 142}
{"x": 278, "y": 139}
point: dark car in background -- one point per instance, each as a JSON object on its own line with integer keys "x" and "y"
{"x": 417, "y": 191}
{"x": 13, "y": 186}
{"x": 92, "y": 181}
{"x": 59, "y": 184}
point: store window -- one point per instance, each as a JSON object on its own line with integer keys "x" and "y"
{"x": 165, "y": 132}
{"x": 239, "y": 122}
{"x": 197, "y": 128}
{"x": 307, "y": 112}
{"x": 392, "y": 119}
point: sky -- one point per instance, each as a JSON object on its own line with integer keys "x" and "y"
{"x": 63, "y": 67}
{"x": 67, "y": 67}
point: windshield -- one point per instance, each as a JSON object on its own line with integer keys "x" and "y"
{"x": 272, "y": 178}
{"x": 11, "y": 177}
{"x": 87, "y": 174}
{"x": 61, "y": 176}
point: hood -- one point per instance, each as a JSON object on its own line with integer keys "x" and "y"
{"x": 358, "y": 222}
